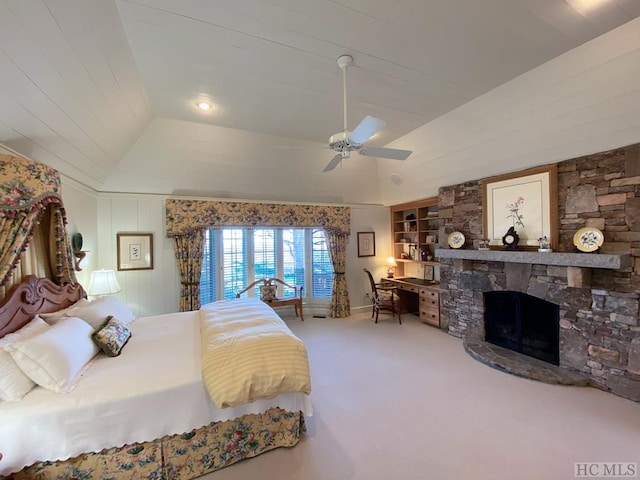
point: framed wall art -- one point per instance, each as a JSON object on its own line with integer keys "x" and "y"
{"x": 526, "y": 201}
{"x": 135, "y": 251}
{"x": 366, "y": 244}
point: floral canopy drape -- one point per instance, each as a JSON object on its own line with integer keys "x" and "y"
{"x": 27, "y": 191}
{"x": 183, "y": 217}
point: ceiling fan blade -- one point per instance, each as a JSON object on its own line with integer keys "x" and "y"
{"x": 333, "y": 163}
{"x": 392, "y": 153}
{"x": 366, "y": 129}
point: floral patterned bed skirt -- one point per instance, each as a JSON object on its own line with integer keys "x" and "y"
{"x": 183, "y": 456}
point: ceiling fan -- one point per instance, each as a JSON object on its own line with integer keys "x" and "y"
{"x": 346, "y": 142}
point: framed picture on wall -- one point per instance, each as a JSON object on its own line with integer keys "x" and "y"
{"x": 366, "y": 244}
{"x": 526, "y": 201}
{"x": 135, "y": 251}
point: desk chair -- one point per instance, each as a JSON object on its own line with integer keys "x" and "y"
{"x": 383, "y": 297}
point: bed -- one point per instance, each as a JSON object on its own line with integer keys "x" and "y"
{"x": 151, "y": 412}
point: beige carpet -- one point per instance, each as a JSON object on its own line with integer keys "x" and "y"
{"x": 406, "y": 402}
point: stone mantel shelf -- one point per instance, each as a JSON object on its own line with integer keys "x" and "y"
{"x": 584, "y": 260}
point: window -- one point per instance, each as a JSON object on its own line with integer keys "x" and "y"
{"x": 208, "y": 278}
{"x": 235, "y": 257}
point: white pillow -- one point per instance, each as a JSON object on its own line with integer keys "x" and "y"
{"x": 54, "y": 317}
{"x": 56, "y": 356}
{"x": 95, "y": 313}
{"x": 14, "y": 384}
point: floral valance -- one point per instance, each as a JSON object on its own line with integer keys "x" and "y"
{"x": 27, "y": 191}
{"x": 24, "y": 184}
{"x": 185, "y": 216}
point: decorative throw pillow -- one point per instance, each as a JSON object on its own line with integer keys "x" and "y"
{"x": 112, "y": 337}
{"x": 267, "y": 293}
{"x": 14, "y": 383}
{"x": 54, "y": 358}
{"x": 95, "y": 313}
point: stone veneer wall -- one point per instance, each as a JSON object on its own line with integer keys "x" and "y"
{"x": 599, "y": 327}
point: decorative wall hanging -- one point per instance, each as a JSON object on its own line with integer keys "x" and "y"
{"x": 366, "y": 244}
{"x": 135, "y": 251}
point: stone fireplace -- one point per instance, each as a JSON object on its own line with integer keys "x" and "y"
{"x": 597, "y": 295}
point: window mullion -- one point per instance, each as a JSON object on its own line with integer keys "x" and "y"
{"x": 279, "y": 254}
{"x": 219, "y": 263}
{"x": 249, "y": 256}
{"x": 308, "y": 264}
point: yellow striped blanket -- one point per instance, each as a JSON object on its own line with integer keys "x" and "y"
{"x": 248, "y": 353}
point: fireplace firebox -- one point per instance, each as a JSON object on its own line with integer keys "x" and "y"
{"x": 523, "y": 323}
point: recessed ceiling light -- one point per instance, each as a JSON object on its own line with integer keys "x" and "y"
{"x": 586, "y": 6}
{"x": 204, "y": 106}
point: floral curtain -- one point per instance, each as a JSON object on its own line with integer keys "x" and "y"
{"x": 30, "y": 194}
{"x": 340, "y": 306}
{"x": 189, "y": 251}
{"x": 184, "y": 217}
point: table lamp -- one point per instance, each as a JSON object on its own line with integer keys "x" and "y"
{"x": 103, "y": 282}
{"x": 391, "y": 265}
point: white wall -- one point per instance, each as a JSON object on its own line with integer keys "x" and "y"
{"x": 80, "y": 203}
{"x": 367, "y": 219}
{"x": 146, "y": 292}
{"x": 585, "y": 101}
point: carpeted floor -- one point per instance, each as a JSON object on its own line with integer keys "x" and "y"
{"x": 407, "y": 402}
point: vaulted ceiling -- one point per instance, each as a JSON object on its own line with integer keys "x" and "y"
{"x": 82, "y": 80}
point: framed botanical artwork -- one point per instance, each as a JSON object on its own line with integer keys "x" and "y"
{"x": 366, "y": 244}
{"x": 526, "y": 202}
{"x": 135, "y": 251}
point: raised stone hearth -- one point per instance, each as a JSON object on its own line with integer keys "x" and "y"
{"x": 523, "y": 365}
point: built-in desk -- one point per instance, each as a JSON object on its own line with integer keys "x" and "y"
{"x": 419, "y": 296}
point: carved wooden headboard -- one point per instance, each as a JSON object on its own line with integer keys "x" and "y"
{"x": 33, "y": 296}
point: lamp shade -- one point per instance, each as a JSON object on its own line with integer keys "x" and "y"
{"x": 103, "y": 282}
{"x": 391, "y": 262}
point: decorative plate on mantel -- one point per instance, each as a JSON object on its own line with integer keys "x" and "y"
{"x": 588, "y": 239}
{"x": 455, "y": 239}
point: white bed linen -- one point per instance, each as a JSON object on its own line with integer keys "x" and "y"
{"x": 154, "y": 388}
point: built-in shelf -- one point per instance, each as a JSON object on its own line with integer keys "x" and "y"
{"x": 585, "y": 260}
{"x": 414, "y": 230}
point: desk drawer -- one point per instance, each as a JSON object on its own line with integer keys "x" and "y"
{"x": 430, "y": 307}
{"x": 429, "y": 303}
{"x": 429, "y": 293}
{"x": 432, "y": 317}
{"x": 408, "y": 288}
